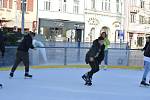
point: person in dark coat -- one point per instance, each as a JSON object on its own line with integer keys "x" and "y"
{"x": 147, "y": 42}
{"x": 94, "y": 57}
{"x": 23, "y": 55}
{"x": 2, "y": 43}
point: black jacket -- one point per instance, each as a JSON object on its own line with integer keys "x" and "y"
{"x": 145, "y": 46}
{"x": 147, "y": 50}
{"x": 26, "y": 43}
{"x": 2, "y": 41}
{"x": 96, "y": 51}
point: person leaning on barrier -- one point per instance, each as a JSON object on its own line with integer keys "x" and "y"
{"x": 106, "y": 43}
{"x": 23, "y": 55}
{"x": 94, "y": 57}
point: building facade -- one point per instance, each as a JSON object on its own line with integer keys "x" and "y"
{"x": 137, "y": 22}
{"x": 11, "y": 14}
{"x": 125, "y": 21}
{"x": 104, "y": 15}
{"x": 61, "y": 20}
{"x": 81, "y": 19}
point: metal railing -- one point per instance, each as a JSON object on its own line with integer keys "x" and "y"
{"x": 73, "y": 56}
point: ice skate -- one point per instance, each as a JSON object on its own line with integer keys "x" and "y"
{"x": 27, "y": 76}
{"x": 11, "y": 75}
{"x": 88, "y": 82}
{"x": 143, "y": 83}
{"x": 84, "y": 77}
{"x": 1, "y": 85}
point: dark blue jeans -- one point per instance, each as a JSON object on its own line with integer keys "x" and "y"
{"x": 146, "y": 70}
{"x": 106, "y": 57}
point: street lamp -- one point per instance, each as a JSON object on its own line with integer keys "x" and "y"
{"x": 16, "y": 17}
{"x": 22, "y": 23}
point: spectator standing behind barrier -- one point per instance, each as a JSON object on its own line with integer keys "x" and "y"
{"x": 146, "y": 64}
{"x": 2, "y": 43}
{"x": 106, "y": 43}
{"x": 23, "y": 55}
{"x": 94, "y": 57}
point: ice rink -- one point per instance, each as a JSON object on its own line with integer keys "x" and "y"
{"x": 66, "y": 84}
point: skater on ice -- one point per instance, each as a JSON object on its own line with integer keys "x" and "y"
{"x": 23, "y": 55}
{"x": 146, "y": 65}
{"x": 94, "y": 57}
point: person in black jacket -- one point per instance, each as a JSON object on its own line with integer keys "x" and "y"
{"x": 147, "y": 42}
{"x": 94, "y": 57}
{"x": 23, "y": 55}
{"x": 146, "y": 65}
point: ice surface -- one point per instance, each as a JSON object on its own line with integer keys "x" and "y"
{"x": 66, "y": 84}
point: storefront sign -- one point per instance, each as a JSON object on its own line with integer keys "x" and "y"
{"x": 93, "y": 21}
{"x": 121, "y": 34}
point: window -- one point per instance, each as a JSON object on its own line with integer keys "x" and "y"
{"x": 149, "y": 5}
{"x": 142, "y": 4}
{"x": 60, "y": 5}
{"x": 133, "y": 18}
{"x": 133, "y": 2}
{"x": 10, "y": 4}
{"x": 47, "y": 5}
{"x": 117, "y": 6}
{"x": 64, "y": 5}
{"x": 76, "y": 7}
{"x": 148, "y": 20}
{"x": 1, "y": 3}
{"x": 140, "y": 41}
{"x": 106, "y": 5}
{"x": 25, "y": 4}
{"x": 141, "y": 19}
{"x": 92, "y": 4}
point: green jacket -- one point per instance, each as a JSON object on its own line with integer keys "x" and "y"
{"x": 106, "y": 43}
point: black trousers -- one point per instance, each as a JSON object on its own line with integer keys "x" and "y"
{"x": 94, "y": 67}
{"x": 24, "y": 57}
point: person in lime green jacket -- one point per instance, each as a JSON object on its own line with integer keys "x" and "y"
{"x": 106, "y": 43}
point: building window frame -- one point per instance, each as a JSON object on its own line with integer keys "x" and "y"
{"x": 47, "y": 5}
{"x": 133, "y": 18}
{"x": 142, "y": 4}
{"x": 141, "y": 19}
{"x": 148, "y": 20}
{"x": 92, "y": 4}
{"x": 106, "y": 5}
{"x": 64, "y": 5}
{"x": 60, "y": 5}
{"x": 149, "y": 5}
{"x": 1, "y": 3}
{"x": 76, "y": 7}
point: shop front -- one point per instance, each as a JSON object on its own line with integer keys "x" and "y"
{"x": 61, "y": 30}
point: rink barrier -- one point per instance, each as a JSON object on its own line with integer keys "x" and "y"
{"x": 75, "y": 56}
{"x": 74, "y": 66}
